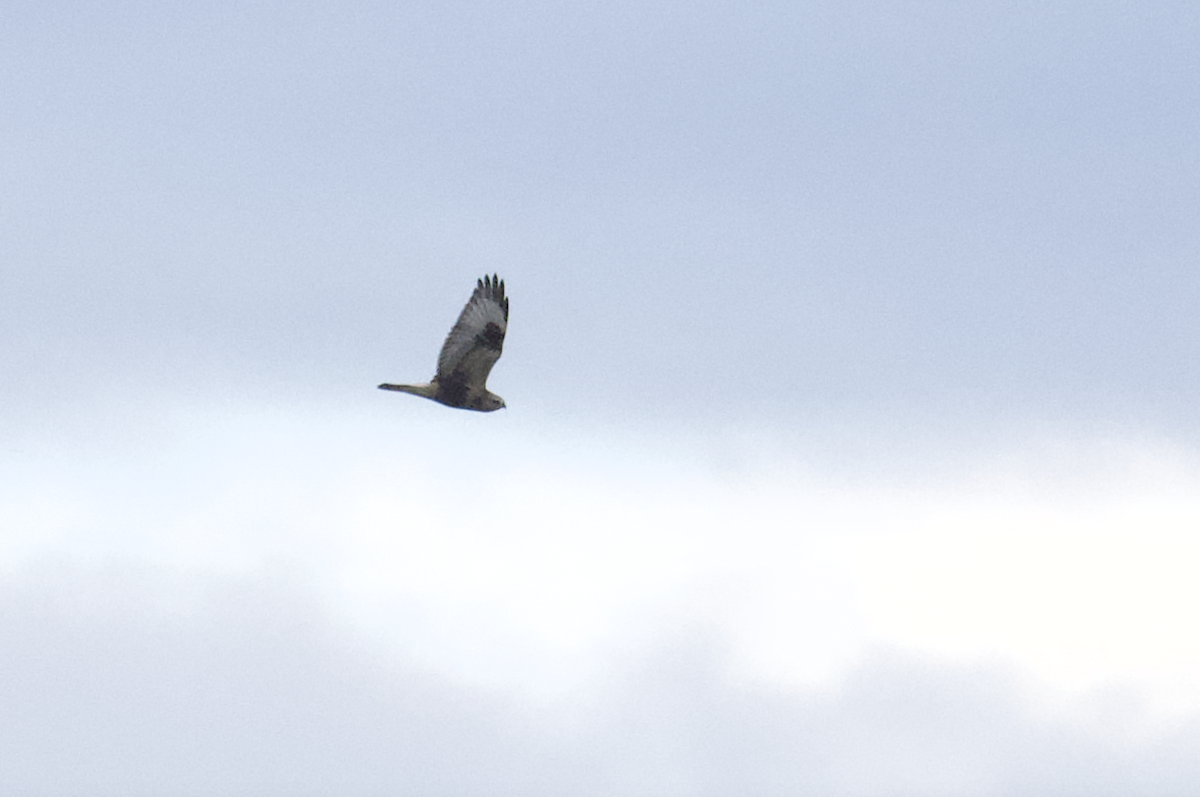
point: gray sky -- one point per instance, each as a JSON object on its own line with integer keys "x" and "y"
{"x": 850, "y": 445}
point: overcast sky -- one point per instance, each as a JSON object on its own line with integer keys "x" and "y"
{"x": 851, "y": 442}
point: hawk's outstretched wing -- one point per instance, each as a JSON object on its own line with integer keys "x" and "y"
{"x": 477, "y": 339}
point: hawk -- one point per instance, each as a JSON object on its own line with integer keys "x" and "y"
{"x": 470, "y": 351}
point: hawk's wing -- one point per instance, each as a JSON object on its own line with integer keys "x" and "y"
{"x": 475, "y": 342}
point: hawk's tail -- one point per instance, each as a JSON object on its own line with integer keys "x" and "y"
{"x": 424, "y": 390}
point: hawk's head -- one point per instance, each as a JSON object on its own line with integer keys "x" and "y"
{"x": 488, "y": 402}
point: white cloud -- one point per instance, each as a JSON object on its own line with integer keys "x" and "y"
{"x": 528, "y": 562}
{"x": 253, "y": 687}
{"x": 674, "y": 618}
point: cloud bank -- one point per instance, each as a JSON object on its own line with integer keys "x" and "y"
{"x": 107, "y": 689}
{"x": 605, "y": 616}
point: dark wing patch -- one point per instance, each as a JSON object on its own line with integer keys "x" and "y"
{"x": 492, "y": 337}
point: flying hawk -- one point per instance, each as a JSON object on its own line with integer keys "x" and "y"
{"x": 470, "y": 351}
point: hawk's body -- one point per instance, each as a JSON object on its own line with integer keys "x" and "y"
{"x": 470, "y": 351}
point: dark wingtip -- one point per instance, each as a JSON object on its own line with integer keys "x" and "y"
{"x": 490, "y": 286}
